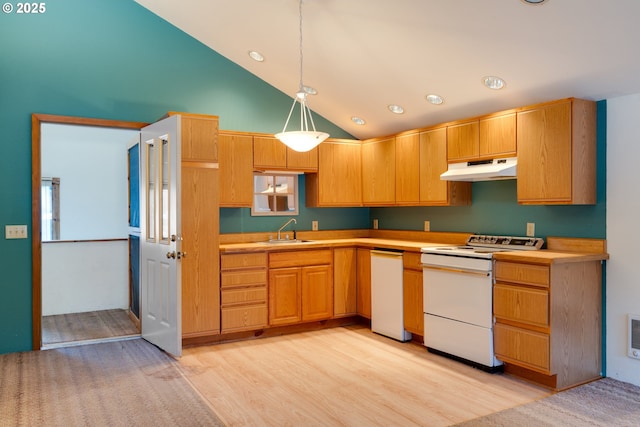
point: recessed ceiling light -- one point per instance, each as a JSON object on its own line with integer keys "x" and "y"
{"x": 309, "y": 90}
{"x": 358, "y": 120}
{"x": 434, "y": 99}
{"x": 395, "y": 109}
{"x": 533, "y": 1}
{"x": 493, "y": 82}
{"x": 256, "y": 56}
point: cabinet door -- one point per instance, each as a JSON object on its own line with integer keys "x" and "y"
{"x": 344, "y": 282}
{"x": 498, "y": 136}
{"x": 199, "y": 137}
{"x": 235, "y": 154}
{"x": 339, "y": 178}
{"x": 463, "y": 142}
{"x": 269, "y": 153}
{"x": 317, "y": 293}
{"x": 379, "y": 172}
{"x": 408, "y": 169}
{"x": 412, "y": 297}
{"x": 284, "y": 296}
{"x": 363, "y": 298}
{"x": 307, "y": 161}
{"x": 544, "y": 154}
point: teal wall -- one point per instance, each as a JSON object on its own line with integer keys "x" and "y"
{"x": 495, "y": 210}
{"x": 113, "y": 59}
{"x": 108, "y": 59}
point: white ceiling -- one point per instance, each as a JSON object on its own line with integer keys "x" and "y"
{"x": 362, "y": 55}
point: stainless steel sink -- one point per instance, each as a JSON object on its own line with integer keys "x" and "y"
{"x": 284, "y": 241}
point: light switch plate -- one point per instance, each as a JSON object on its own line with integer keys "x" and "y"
{"x": 15, "y": 231}
{"x": 531, "y": 229}
{"x": 427, "y": 225}
{"x": 314, "y": 225}
{"x": 375, "y": 224}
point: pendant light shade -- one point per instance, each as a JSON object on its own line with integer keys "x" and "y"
{"x": 307, "y": 137}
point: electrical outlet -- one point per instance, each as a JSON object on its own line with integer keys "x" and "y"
{"x": 314, "y": 225}
{"x": 531, "y": 229}
{"x": 375, "y": 224}
{"x": 427, "y": 225}
{"x": 15, "y": 231}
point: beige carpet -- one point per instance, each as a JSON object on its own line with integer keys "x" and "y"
{"x": 121, "y": 383}
{"x": 603, "y": 403}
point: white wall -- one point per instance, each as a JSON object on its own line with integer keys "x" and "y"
{"x": 84, "y": 276}
{"x": 91, "y": 163}
{"x": 623, "y": 232}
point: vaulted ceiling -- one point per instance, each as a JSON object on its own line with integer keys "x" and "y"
{"x": 363, "y": 55}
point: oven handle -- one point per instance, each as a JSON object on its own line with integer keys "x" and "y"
{"x": 456, "y": 270}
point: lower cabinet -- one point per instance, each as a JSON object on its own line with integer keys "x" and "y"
{"x": 413, "y": 311}
{"x": 345, "y": 282}
{"x": 243, "y": 291}
{"x": 363, "y": 298}
{"x": 548, "y": 320}
{"x": 300, "y": 286}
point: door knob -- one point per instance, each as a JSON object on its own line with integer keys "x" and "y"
{"x": 181, "y": 255}
{"x": 172, "y": 254}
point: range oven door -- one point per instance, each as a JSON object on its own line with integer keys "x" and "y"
{"x": 459, "y": 294}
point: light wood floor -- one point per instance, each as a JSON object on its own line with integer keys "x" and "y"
{"x": 345, "y": 377}
{"x": 92, "y": 325}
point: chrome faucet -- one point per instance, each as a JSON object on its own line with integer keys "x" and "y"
{"x": 285, "y": 224}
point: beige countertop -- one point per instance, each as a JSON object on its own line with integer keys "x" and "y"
{"x": 543, "y": 256}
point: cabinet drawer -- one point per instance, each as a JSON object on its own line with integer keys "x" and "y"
{"x": 243, "y": 278}
{"x": 411, "y": 260}
{"x": 300, "y": 258}
{"x": 526, "y": 305}
{"x": 243, "y": 318}
{"x": 244, "y": 296}
{"x": 537, "y": 275}
{"x": 521, "y": 347}
{"x": 245, "y": 260}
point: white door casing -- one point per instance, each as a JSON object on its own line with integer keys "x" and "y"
{"x": 160, "y": 231}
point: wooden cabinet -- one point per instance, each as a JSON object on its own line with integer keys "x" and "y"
{"x": 345, "y": 280}
{"x": 433, "y": 163}
{"x": 269, "y": 153}
{"x": 463, "y": 142}
{"x": 200, "y": 228}
{"x": 557, "y": 153}
{"x": 339, "y": 178}
{"x": 300, "y": 286}
{"x": 379, "y": 172}
{"x": 407, "y": 169}
{"x": 363, "y": 298}
{"x": 243, "y": 291}
{"x": 235, "y": 152}
{"x": 412, "y": 293}
{"x": 497, "y": 136}
{"x": 548, "y": 320}
{"x": 492, "y": 136}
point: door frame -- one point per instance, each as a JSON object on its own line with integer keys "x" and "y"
{"x": 36, "y": 226}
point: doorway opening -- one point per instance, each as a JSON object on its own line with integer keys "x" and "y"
{"x": 81, "y": 280}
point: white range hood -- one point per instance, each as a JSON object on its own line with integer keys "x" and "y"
{"x": 482, "y": 170}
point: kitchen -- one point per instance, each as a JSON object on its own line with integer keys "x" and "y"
{"x": 491, "y": 200}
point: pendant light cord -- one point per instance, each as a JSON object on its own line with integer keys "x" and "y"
{"x": 300, "y": 29}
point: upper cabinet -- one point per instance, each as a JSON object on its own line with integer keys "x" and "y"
{"x": 408, "y": 169}
{"x": 557, "y": 153}
{"x": 433, "y": 162}
{"x": 497, "y": 135}
{"x": 379, "y": 172}
{"x": 339, "y": 178}
{"x": 463, "y": 141}
{"x": 235, "y": 151}
{"x": 269, "y": 153}
{"x": 489, "y": 137}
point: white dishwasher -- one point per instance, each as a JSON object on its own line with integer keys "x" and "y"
{"x": 387, "y": 304}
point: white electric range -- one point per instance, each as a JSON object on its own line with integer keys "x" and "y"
{"x": 458, "y": 297}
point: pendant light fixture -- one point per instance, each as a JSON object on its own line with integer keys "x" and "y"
{"x": 303, "y": 139}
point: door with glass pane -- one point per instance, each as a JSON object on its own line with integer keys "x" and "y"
{"x": 160, "y": 243}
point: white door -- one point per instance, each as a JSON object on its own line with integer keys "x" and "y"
{"x": 160, "y": 287}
